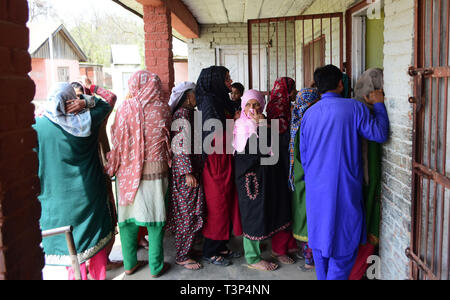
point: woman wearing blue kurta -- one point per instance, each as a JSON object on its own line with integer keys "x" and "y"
{"x": 73, "y": 189}
{"x": 330, "y": 148}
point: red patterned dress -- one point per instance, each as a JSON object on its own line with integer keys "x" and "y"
{"x": 186, "y": 204}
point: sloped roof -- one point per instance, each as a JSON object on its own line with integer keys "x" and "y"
{"x": 125, "y": 55}
{"x": 40, "y": 32}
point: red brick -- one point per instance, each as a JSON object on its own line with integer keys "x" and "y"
{"x": 16, "y": 89}
{"x": 13, "y": 35}
{"x": 5, "y": 58}
{"x": 16, "y": 142}
{"x": 18, "y": 11}
{"x": 3, "y": 9}
{"x": 21, "y": 61}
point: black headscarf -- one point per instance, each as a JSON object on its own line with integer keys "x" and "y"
{"x": 212, "y": 94}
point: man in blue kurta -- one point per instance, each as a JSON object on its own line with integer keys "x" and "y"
{"x": 330, "y": 148}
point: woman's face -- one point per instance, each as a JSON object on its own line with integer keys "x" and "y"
{"x": 252, "y": 104}
{"x": 79, "y": 92}
{"x": 191, "y": 99}
{"x": 228, "y": 81}
{"x": 293, "y": 95}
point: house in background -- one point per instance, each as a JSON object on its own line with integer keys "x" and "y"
{"x": 95, "y": 73}
{"x": 180, "y": 60}
{"x": 66, "y": 54}
{"x": 125, "y": 60}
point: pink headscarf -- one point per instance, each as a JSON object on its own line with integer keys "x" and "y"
{"x": 245, "y": 126}
{"x": 141, "y": 132}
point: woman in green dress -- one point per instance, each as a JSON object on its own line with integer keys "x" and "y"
{"x": 73, "y": 189}
{"x": 305, "y": 99}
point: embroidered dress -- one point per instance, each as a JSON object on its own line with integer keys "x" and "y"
{"x": 186, "y": 204}
{"x": 73, "y": 189}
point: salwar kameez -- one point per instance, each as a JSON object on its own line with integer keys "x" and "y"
{"x": 331, "y": 133}
{"x": 186, "y": 204}
{"x": 148, "y": 210}
{"x": 73, "y": 189}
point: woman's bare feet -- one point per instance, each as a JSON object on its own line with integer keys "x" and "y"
{"x": 284, "y": 259}
{"x": 264, "y": 266}
{"x": 190, "y": 264}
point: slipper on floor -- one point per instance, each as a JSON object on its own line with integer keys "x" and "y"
{"x": 217, "y": 261}
{"x": 304, "y": 269}
{"x": 231, "y": 254}
{"x": 139, "y": 265}
{"x": 261, "y": 268}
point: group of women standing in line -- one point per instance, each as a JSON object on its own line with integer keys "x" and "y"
{"x": 157, "y": 188}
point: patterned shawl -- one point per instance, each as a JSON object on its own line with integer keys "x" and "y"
{"x": 245, "y": 127}
{"x": 305, "y": 99}
{"x": 78, "y": 125}
{"x": 141, "y": 132}
{"x": 279, "y": 106}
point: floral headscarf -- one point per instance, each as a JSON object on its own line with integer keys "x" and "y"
{"x": 279, "y": 106}
{"x": 305, "y": 99}
{"x": 141, "y": 132}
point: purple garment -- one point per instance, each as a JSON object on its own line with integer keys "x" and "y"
{"x": 330, "y": 148}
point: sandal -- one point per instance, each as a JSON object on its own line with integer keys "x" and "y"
{"x": 192, "y": 265}
{"x": 139, "y": 265}
{"x": 305, "y": 269}
{"x": 262, "y": 268}
{"x": 231, "y": 254}
{"x": 218, "y": 261}
{"x": 165, "y": 268}
{"x": 284, "y": 259}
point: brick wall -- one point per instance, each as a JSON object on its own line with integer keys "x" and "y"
{"x": 20, "y": 254}
{"x": 397, "y": 152}
{"x": 158, "y": 45}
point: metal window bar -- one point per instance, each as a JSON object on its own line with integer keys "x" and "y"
{"x": 293, "y": 31}
{"x": 67, "y": 231}
{"x": 430, "y": 238}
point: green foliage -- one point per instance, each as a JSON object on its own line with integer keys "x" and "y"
{"x": 96, "y": 36}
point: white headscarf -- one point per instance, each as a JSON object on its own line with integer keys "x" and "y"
{"x": 178, "y": 92}
{"x": 78, "y": 125}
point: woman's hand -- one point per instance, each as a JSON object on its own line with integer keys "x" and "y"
{"x": 75, "y": 106}
{"x": 376, "y": 96}
{"x": 87, "y": 82}
{"x": 191, "y": 181}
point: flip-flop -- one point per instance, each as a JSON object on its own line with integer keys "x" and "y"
{"x": 139, "y": 265}
{"x": 261, "y": 268}
{"x": 191, "y": 264}
{"x": 165, "y": 268}
{"x": 304, "y": 269}
{"x": 215, "y": 261}
{"x": 231, "y": 254}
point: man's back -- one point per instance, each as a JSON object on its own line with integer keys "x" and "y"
{"x": 331, "y": 156}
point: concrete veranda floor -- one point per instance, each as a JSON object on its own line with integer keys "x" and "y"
{"x": 237, "y": 271}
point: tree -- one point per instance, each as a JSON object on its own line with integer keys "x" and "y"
{"x": 40, "y": 8}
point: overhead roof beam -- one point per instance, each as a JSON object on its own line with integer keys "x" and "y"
{"x": 183, "y": 21}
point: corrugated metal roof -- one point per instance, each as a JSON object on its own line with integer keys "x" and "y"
{"x": 41, "y": 31}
